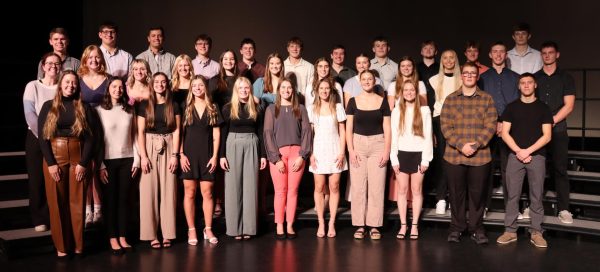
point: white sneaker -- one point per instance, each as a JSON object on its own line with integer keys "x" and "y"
{"x": 485, "y": 213}
{"x": 520, "y": 217}
{"x": 565, "y": 217}
{"x": 526, "y": 213}
{"x": 440, "y": 207}
{"x": 41, "y": 228}
{"x": 498, "y": 190}
{"x": 89, "y": 219}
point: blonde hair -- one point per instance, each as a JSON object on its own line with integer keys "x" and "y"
{"x": 439, "y": 87}
{"x": 80, "y": 124}
{"x": 175, "y": 74}
{"x": 417, "y": 124}
{"x": 83, "y": 68}
{"x": 211, "y": 109}
{"x": 333, "y": 100}
{"x": 131, "y": 78}
{"x": 251, "y": 106}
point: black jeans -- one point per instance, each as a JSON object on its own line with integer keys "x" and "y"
{"x": 38, "y": 205}
{"x": 558, "y": 153}
{"x": 468, "y": 180}
{"x": 117, "y": 195}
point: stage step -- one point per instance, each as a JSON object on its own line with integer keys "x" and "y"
{"x": 14, "y": 177}
{"x": 584, "y": 155}
{"x": 576, "y": 199}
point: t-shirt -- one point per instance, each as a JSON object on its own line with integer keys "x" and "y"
{"x": 368, "y": 122}
{"x": 160, "y": 120}
{"x": 526, "y": 122}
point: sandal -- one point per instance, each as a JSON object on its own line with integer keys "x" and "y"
{"x": 238, "y": 238}
{"x": 166, "y": 243}
{"x": 213, "y": 239}
{"x": 401, "y": 236}
{"x": 359, "y": 234}
{"x": 413, "y": 236}
{"x": 155, "y": 244}
{"x": 375, "y": 234}
{"x": 194, "y": 241}
{"x": 246, "y": 237}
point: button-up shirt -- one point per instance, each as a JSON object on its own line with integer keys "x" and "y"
{"x": 304, "y": 73}
{"x": 551, "y": 89}
{"x": 530, "y": 62}
{"x": 70, "y": 63}
{"x": 117, "y": 63}
{"x": 466, "y": 119}
{"x": 207, "y": 69}
{"x": 163, "y": 61}
{"x": 387, "y": 70}
{"x": 503, "y": 87}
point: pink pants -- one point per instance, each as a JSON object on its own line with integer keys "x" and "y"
{"x": 286, "y": 184}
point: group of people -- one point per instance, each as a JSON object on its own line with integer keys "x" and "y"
{"x": 95, "y": 124}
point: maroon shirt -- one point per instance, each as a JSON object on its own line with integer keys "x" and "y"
{"x": 257, "y": 70}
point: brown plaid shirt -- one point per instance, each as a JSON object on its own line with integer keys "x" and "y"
{"x": 466, "y": 119}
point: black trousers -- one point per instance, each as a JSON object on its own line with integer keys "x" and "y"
{"x": 439, "y": 177}
{"x": 471, "y": 181}
{"x": 559, "y": 149}
{"x": 116, "y": 196}
{"x": 38, "y": 205}
{"x": 500, "y": 153}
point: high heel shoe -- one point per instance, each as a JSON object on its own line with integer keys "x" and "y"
{"x": 212, "y": 240}
{"x": 194, "y": 241}
{"x": 401, "y": 236}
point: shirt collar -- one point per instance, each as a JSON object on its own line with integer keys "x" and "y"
{"x": 477, "y": 91}
{"x": 105, "y": 50}
{"x": 374, "y": 61}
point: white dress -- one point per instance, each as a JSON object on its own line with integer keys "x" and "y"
{"x": 326, "y": 146}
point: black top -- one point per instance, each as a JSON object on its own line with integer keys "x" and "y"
{"x": 368, "y": 122}
{"x": 526, "y": 122}
{"x": 425, "y": 72}
{"x": 160, "y": 120}
{"x": 179, "y": 98}
{"x": 551, "y": 89}
{"x": 341, "y": 77}
{"x": 221, "y": 97}
{"x": 66, "y": 119}
{"x": 242, "y": 125}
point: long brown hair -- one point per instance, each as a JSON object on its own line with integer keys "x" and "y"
{"x": 211, "y": 109}
{"x": 80, "y": 124}
{"x": 333, "y": 100}
{"x": 268, "y": 78}
{"x": 295, "y": 98}
{"x": 414, "y": 76}
{"x": 251, "y": 106}
{"x": 221, "y": 82}
{"x": 417, "y": 124}
{"x": 316, "y": 81}
{"x": 107, "y": 99}
{"x": 169, "y": 113}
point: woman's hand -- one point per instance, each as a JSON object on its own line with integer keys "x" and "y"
{"x": 173, "y": 163}
{"x": 79, "y": 173}
{"x": 146, "y": 165}
{"x": 396, "y": 169}
{"x": 383, "y": 161}
{"x": 134, "y": 171}
{"x": 54, "y": 172}
{"x": 313, "y": 162}
{"x": 185, "y": 163}
{"x": 104, "y": 175}
{"x": 298, "y": 164}
{"x": 212, "y": 164}
{"x": 263, "y": 163}
{"x": 224, "y": 164}
{"x": 339, "y": 161}
{"x": 280, "y": 166}
{"x": 423, "y": 168}
{"x": 354, "y": 159}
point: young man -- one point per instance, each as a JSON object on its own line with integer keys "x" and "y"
{"x": 157, "y": 57}
{"x": 468, "y": 121}
{"x": 386, "y": 68}
{"x": 117, "y": 60}
{"x": 556, "y": 88}
{"x": 249, "y": 67}
{"x": 203, "y": 65}
{"x": 526, "y": 129}
{"x": 338, "y": 71}
{"x": 427, "y": 68}
{"x": 303, "y": 70}
{"x": 501, "y": 83}
{"x": 472, "y": 49}
{"x": 523, "y": 58}
{"x": 59, "y": 40}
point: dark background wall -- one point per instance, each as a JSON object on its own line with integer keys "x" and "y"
{"x": 321, "y": 24}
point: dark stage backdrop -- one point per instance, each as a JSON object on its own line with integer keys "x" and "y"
{"x": 321, "y": 24}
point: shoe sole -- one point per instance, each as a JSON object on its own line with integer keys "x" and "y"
{"x": 507, "y": 242}
{"x": 536, "y": 245}
{"x": 565, "y": 222}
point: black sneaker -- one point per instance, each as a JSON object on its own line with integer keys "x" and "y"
{"x": 454, "y": 237}
{"x": 480, "y": 238}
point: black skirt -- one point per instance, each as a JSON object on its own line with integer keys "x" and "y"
{"x": 409, "y": 161}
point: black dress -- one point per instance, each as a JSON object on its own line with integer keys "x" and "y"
{"x": 198, "y": 145}
{"x": 179, "y": 97}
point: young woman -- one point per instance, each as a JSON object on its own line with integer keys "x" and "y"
{"x": 36, "y": 93}
{"x": 407, "y": 70}
{"x": 139, "y": 81}
{"x": 94, "y": 80}
{"x": 182, "y": 75}
{"x": 328, "y": 160}
{"x": 66, "y": 143}
{"x": 411, "y": 152}
{"x": 447, "y": 81}
{"x": 121, "y": 161}
{"x": 242, "y": 153}
{"x": 265, "y": 87}
{"x": 322, "y": 71}
{"x": 368, "y": 138}
{"x": 201, "y": 137}
{"x": 288, "y": 138}
{"x": 352, "y": 86}
{"x": 158, "y": 124}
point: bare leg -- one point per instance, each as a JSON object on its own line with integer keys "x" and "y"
{"x": 319, "y": 196}
{"x": 189, "y": 207}
{"x": 206, "y": 187}
{"x": 334, "y": 200}
{"x": 416, "y": 180}
{"x": 402, "y": 181}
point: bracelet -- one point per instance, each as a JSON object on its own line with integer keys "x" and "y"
{"x": 176, "y": 155}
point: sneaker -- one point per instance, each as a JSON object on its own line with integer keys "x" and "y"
{"x": 454, "y": 237}
{"x": 565, "y": 217}
{"x": 89, "y": 219}
{"x": 537, "y": 239}
{"x": 485, "y": 213}
{"x": 507, "y": 238}
{"x": 440, "y": 207}
{"x": 520, "y": 216}
{"x": 526, "y": 213}
{"x": 97, "y": 217}
{"x": 498, "y": 190}
{"x": 480, "y": 238}
{"x": 41, "y": 228}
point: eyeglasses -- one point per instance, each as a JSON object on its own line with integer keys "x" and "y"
{"x": 106, "y": 32}
{"x": 57, "y": 64}
{"x": 469, "y": 74}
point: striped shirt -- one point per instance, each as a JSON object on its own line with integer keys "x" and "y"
{"x": 466, "y": 119}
